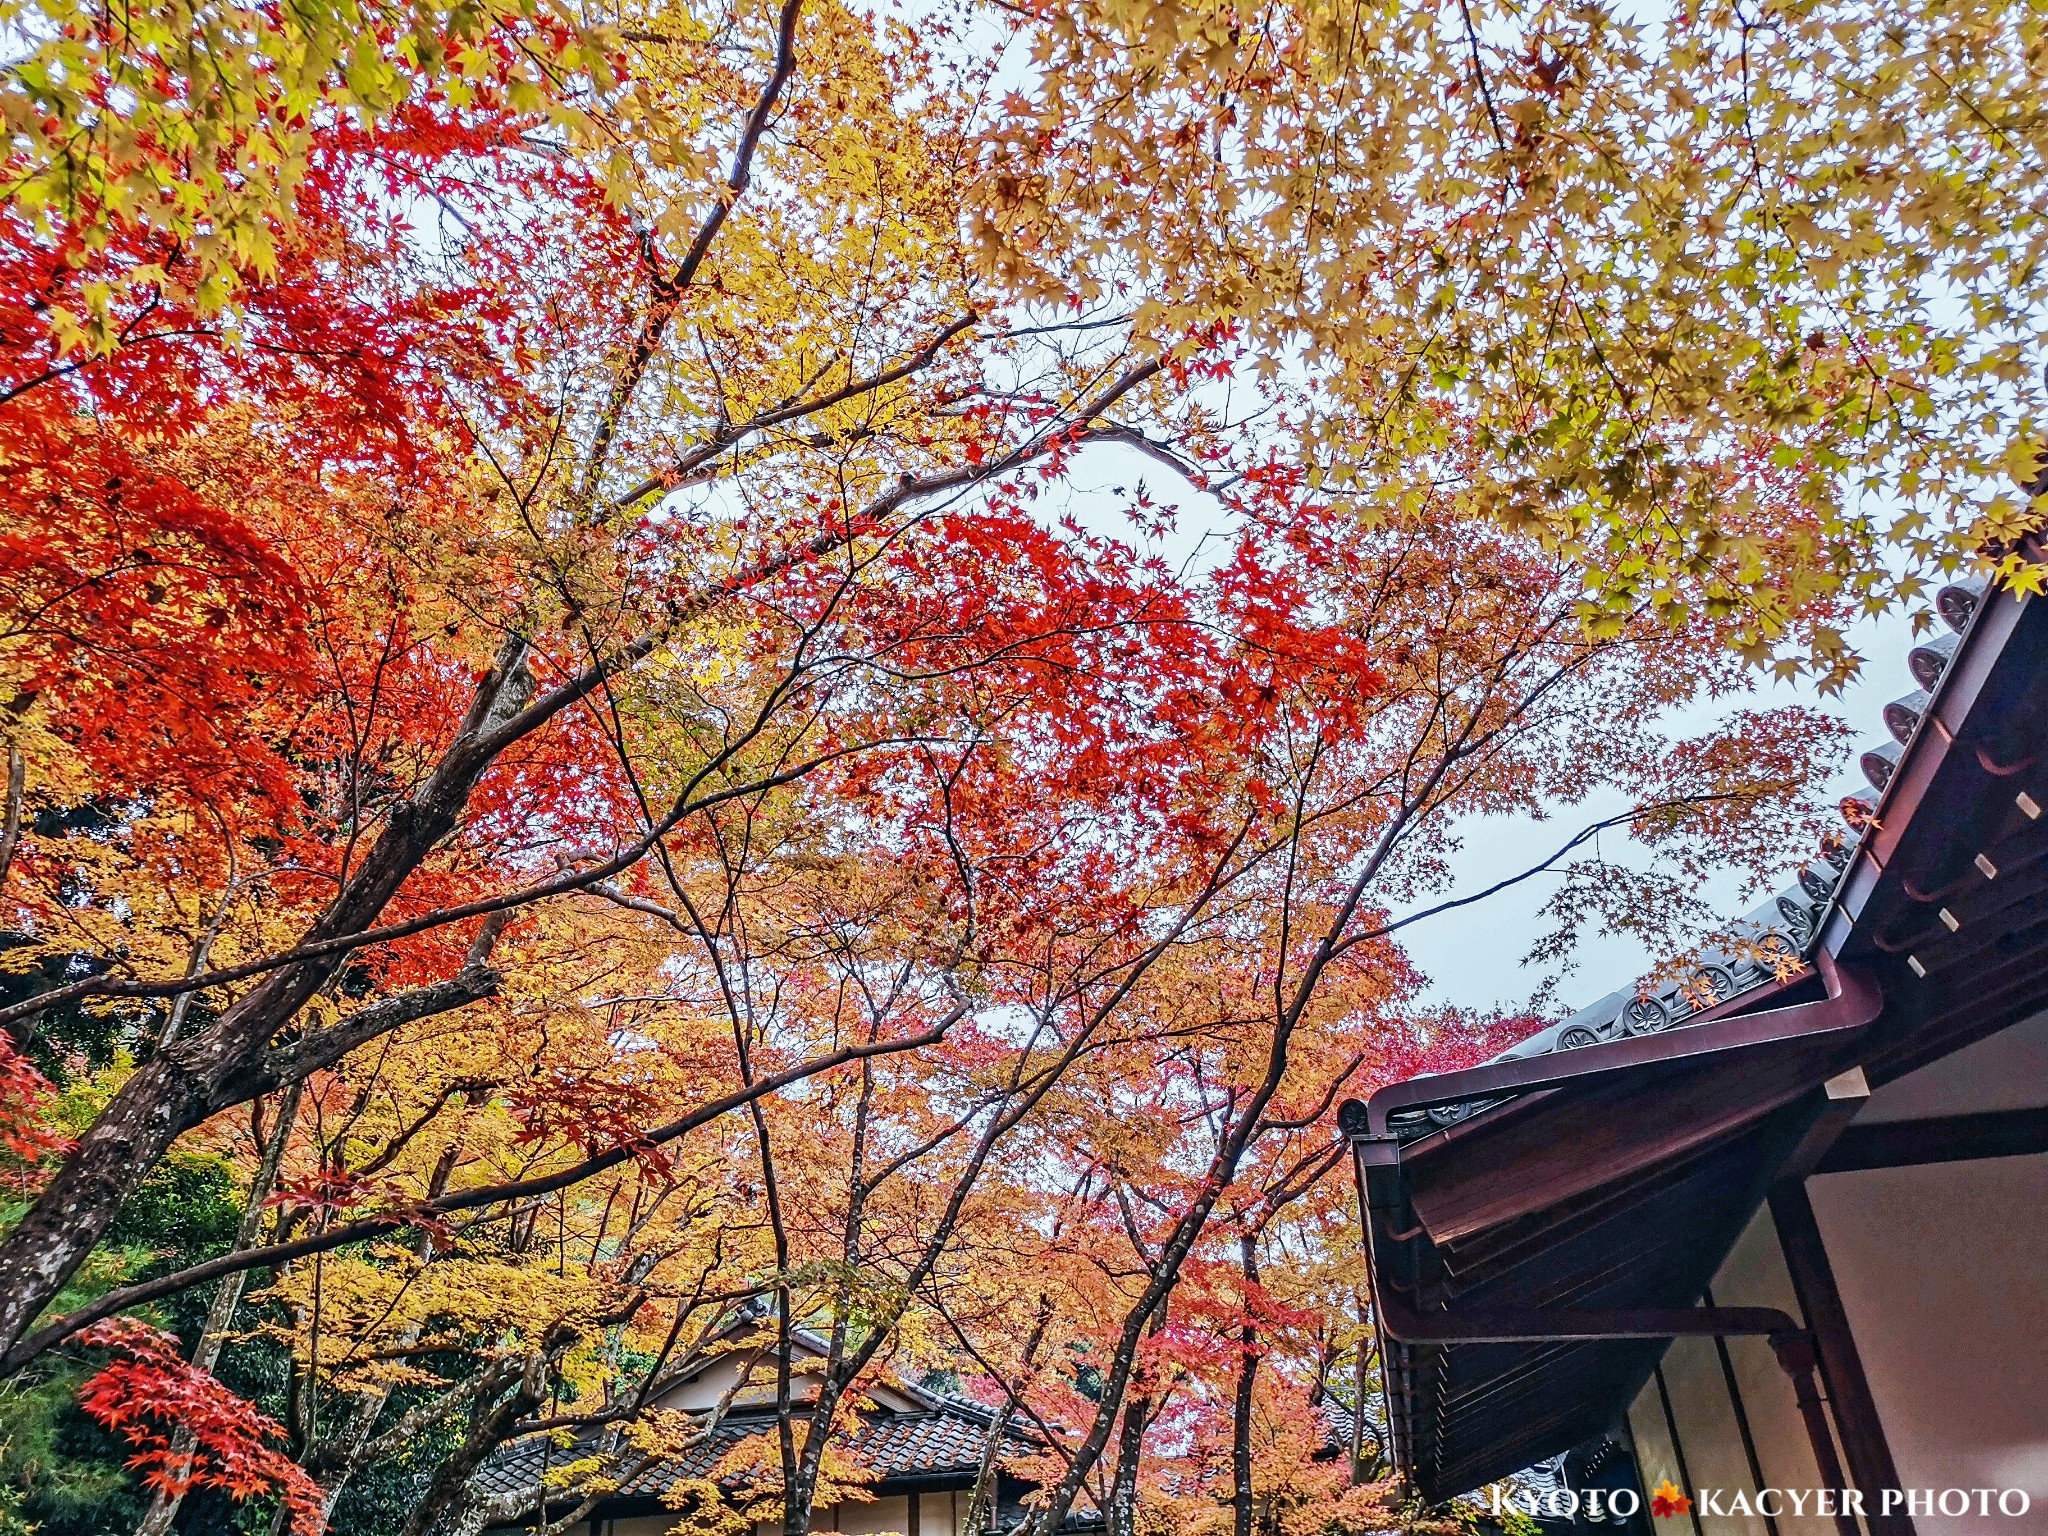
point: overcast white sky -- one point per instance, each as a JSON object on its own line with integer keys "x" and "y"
{"x": 1474, "y": 954}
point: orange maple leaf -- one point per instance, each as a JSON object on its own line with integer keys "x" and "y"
{"x": 1667, "y": 1500}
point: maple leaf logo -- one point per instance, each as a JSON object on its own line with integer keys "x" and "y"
{"x": 1666, "y": 1500}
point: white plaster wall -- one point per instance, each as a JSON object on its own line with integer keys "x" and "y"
{"x": 1707, "y": 1432}
{"x": 707, "y": 1388}
{"x": 1709, "y": 1444}
{"x": 1943, "y": 1271}
{"x": 1755, "y": 1276}
{"x": 939, "y": 1513}
{"x": 869, "y": 1517}
{"x": 751, "y": 1351}
{"x": 1656, "y": 1456}
{"x": 2007, "y": 1071}
{"x": 702, "y": 1391}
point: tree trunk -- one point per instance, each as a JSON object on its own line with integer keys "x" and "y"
{"x": 1247, "y": 1376}
{"x": 1130, "y": 1451}
{"x": 981, "y": 1499}
{"x": 181, "y": 1086}
{"x": 489, "y": 1429}
{"x": 1122, "y": 1517}
{"x": 1359, "y": 1471}
{"x": 10, "y": 817}
{"x": 220, "y": 1316}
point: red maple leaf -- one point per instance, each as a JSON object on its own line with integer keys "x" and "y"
{"x": 1666, "y": 1500}
{"x": 148, "y": 1392}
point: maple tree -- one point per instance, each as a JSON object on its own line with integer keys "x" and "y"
{"x": 1623, "y": 248}
{"x": 557, "y": 726}
{"x": 1487, "y": 694}
{"x": 149, "y": 1391}
{"x": 378, "y": 672}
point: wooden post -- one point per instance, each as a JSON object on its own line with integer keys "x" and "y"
{"x": 1869, "y": 1455}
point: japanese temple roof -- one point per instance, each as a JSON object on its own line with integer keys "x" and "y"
{"x": 942, "y": 1442}
{"x": 1339, "y": 1426}
{"x": 1611, "y": 1161}
{"x": 907, "y": 1437}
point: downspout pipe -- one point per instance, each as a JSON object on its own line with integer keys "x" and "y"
{"x": 1797, "y": 1355}
{"x": 1792, "y": 1345}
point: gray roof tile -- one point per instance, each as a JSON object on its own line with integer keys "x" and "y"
{"x": 945, "y": 1439}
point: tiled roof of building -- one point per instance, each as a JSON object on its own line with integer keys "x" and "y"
{"x": 907, "y": 1444}
{"x": 946, "y": 1439}
{"x": 1339, "y": 1426}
